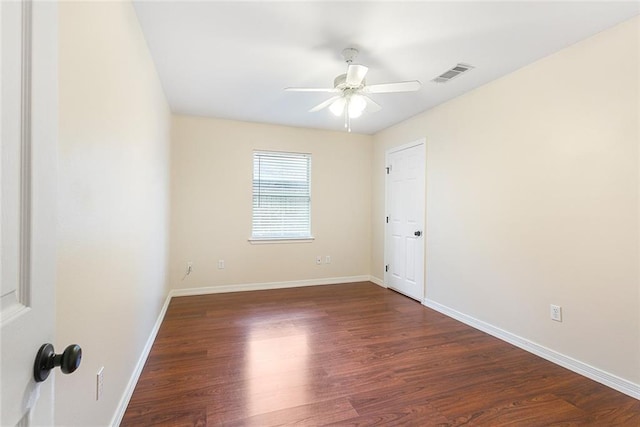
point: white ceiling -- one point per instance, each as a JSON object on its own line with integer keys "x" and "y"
{"x": 233, "y": 59}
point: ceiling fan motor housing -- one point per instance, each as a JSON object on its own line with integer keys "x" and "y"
{"x": 340, "y": 82}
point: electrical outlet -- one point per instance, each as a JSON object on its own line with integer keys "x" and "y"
{"x": 189, "y": 267}
{"x": 99, "y": 383}
{"x": 556, "y": 313}
{"x": 220, "y": 264}
{"x": 319, "y": 260}
{"x": 327, "y": 259}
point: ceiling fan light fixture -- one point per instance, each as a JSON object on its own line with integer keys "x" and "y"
{"x": 357, "y": 104}
{"x": 337, "y": 107}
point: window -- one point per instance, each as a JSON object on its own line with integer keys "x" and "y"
{"x": 281, "y": 196}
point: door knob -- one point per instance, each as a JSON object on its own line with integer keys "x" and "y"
{"x": 47, "y": 359}
{"x": 417, "y": 233}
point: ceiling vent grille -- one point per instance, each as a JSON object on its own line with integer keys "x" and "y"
{"x": 452, "y": 73}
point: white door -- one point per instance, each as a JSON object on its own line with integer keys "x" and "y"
{"x": 29, "y": 132}
{"x": 405, "y": 207}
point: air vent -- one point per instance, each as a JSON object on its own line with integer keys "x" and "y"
{"x": 452, "y": 73}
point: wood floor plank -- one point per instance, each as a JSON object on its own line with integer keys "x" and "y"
{"x": 352, "y": 354}
{"x": 317, "y": 413}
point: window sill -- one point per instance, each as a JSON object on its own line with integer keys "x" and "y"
{"x": 270, "y": 240}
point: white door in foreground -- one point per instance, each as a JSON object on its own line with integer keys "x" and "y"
{"x": 29, "y": 135}
{"x": 405, "y": 207}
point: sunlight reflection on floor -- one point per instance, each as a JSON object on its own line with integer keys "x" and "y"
{"x": 275, "y": 367}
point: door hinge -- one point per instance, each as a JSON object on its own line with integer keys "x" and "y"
{"x": 388, "y": 169}
{"x": 387, "y": 220}
{"x": 386, "y": 268}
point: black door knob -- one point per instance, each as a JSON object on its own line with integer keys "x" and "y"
{"x": 47, "y": 359}
{"x": 417, "y": 233}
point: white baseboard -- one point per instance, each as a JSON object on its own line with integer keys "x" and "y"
{"x": 266, "y": 286}
{"x": 624, "y": 386}
{"x": 128, "y": 391}
{"x": 377, "y": 281}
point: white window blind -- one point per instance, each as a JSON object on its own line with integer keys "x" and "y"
{"x": 281, "y": 195}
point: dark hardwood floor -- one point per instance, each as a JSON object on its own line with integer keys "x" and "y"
{"x": 352, "y": 354}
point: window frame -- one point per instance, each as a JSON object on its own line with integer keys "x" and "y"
{"x": 283, "y": 238}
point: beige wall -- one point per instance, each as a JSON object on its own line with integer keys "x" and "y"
{"x": 532, "y": 199}
{"x": 211, "y": 173}
{"x": 113, "y": 203}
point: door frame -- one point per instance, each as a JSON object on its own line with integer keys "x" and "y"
{"x": 415, "y": 143}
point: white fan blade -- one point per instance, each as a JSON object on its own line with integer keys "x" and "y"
{"x": 409, "y": 86}
{"x": 372, "y": 106}
{"x": 355, "y": 74}
{"x": 312, "y": 89}
{"x": 324, "y": 104}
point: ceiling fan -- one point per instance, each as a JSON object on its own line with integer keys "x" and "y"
{"x": 351, "y": 91}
